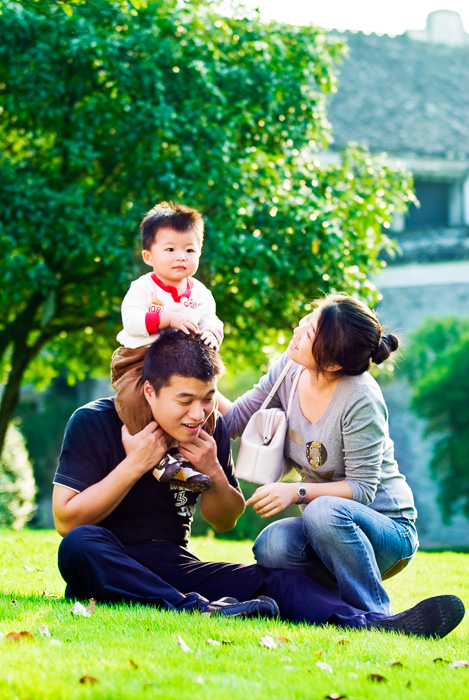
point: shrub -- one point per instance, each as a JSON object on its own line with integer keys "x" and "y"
{"x": 17, "y": 485}
{"x": 437, "y": 365}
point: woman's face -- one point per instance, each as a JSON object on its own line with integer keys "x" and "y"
{"x": 300, "y": 346}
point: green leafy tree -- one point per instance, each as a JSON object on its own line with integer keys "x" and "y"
{"x": 131, "y": 6}
{"x": 437, "y": 364}
{"x": 106, "y": 112}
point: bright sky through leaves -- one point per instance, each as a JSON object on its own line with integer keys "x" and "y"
{"x": 364, "y": 15}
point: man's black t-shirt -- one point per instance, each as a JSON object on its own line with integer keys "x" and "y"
{"x": 92, "y": 448}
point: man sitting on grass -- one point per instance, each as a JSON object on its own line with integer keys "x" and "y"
{"x": 126, "y": 534}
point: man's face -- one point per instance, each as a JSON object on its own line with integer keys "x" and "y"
{"x": 182, "y": 407}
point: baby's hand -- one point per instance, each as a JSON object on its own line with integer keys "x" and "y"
{"x": 209, "y": 339}
{"x": 175, "y": 319}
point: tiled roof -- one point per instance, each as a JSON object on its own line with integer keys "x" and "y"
{"x": 403, "y": 96}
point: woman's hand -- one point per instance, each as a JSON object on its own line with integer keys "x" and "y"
{"x": 271, "y": 499}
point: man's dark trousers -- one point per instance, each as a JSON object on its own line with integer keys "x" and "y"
{"x": 95, "y": 564}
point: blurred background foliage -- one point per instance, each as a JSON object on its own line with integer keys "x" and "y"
{"x": 437, "y": 366}
{"x": 17, "y": 484}
{"x": 110, "y": 107}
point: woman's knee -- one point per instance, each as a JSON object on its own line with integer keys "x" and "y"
{"x": 278, "y": 543}
{"x": 323, "y": 515}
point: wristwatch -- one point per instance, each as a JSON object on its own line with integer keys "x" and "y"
{"x": 301, "y": 494}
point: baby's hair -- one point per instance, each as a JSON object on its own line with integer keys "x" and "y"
{"x": 174, "y": 216}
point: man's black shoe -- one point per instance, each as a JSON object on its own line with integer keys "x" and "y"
{"x": 258, "y": 607}
{"x": 433, "y": 617}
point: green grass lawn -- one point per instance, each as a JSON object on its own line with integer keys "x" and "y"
{"x": 133, "y": 652}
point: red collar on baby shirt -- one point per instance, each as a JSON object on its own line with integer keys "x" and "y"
{"x": 173, "y": 290}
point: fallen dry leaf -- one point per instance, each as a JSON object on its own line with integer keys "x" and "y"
{"x": 344, "y": 642}
{"x": 14, "y": 602}
{"x": 84, "y": 610}
{"x": 335, "y": 696}
{"x": 42, "y": 629}
{"x": 440, "y": 660}
{"x": 323, "y": 666}
{"x": 396, "y": 664}
{"x": 282, "y": 640}
{"x": 376, "y": 677}
{"x": 16, "y": 636}
{"x": 132, "y": 663}
{"x": 29, "y": 569}
{"x": 50, "y": 595}
{"x": 318, "y": 653}
{"x": 268, "y": 642}
{"x": 459, "y": 664}
{"x": 183, "y": 645}
{"x": 212, "y": 641}
{"x": 88, "y": 679}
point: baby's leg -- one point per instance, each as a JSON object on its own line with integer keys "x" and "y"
{"x": 126, "y": 378}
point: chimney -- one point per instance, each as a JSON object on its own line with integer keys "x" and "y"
{"x": 443, "y": 27}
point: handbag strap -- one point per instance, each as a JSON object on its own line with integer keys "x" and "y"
{"x": 293, "y": 389}
{"x": 271, "y": 393}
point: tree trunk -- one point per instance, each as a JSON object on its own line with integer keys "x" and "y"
{"x": 12, "y": 390}
{"x": 21, "y": 357}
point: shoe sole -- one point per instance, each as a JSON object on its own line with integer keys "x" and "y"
{"x": 434, "y": 618}
{"x": 187, "y": 486}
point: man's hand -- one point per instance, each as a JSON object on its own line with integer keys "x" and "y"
{"x": 221, "y": 504}
{"x": 210, "y": 339}
{"x": 202, "y": 453}
{"x": 271, "y": 499}
{"x": 175, "y": 319}
{"x": 146, "y": 448}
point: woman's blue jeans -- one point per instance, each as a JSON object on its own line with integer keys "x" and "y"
{"x": 342, "y": 545}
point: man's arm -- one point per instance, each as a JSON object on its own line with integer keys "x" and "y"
{"x": 222, "y": 504}
{"x": 93, "y": 504}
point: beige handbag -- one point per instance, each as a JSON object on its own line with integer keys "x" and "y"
{"x": 261, "y": 458}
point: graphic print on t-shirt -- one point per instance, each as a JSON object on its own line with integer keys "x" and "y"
{"x": 155, "y": 303}
{"x": 316, "y": 453}
{"x": 184, "y": 508}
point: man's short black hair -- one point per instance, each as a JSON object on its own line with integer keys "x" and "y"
{"x": 174, "y": 353}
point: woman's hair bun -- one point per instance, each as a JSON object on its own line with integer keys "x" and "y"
{"x": 388, "y": 344}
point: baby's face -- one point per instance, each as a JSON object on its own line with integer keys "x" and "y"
{"x": 174, "y": 256}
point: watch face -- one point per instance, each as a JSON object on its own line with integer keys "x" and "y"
{"x": 301, "y": 494}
